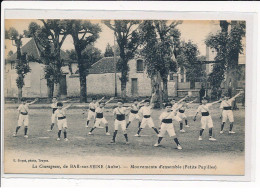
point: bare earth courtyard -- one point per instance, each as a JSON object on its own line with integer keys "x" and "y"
{"x": 96, "y": 149}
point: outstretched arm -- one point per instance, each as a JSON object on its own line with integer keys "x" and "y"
{"x": 215, "y": 102}
{"x": 234, "y": 97}
{"x": 195, "y": 117}
{"x": 100, "y": 99}
{"x": 198, "y": 110}
{"x": 109, "y": 100}
{"x": 180, "y": 106}
{"x": 19, "y": 112}
{"x": 182, "y": 99}
{"x": 66, "y": 107}
{"x": 192, "y": 101}
{"x": 36, "y": 99}
{"x": 139, "y": 103}
{"x": 66, "y": 101}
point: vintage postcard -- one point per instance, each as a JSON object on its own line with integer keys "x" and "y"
{"x": 137, "y": 96}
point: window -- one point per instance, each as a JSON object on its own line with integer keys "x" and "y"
{"x": 140, "y": 65}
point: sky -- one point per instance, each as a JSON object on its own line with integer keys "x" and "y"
{"x": 194, "y": 30}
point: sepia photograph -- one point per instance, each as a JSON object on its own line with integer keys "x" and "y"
{"x": 122, "y": 97}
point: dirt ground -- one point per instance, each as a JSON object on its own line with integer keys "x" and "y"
{"x": 227, "y": 152}
{"x": 41, "y": 142}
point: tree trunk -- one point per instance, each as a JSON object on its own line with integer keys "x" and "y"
{"x": 50, "y": 88}
{"x": 123, "y": 89}
{"x": 159, "y": 80}
{"x": 20, "y": 94}
{"x": 20, "y": 78}
{"x": 231, "y": 84}
{"x": 156, "y": 98}
{"x": 123, "y": 83}
{"x": 165, "y": 90}
{"x": 83, "y": 87}
{"x": 56, "y": 91}
{"x": 82, "y": 74}
{"x": 232, "y": 75}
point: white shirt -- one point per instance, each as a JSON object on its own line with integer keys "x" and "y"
{"x": 120, "y": 111}
{"x": 226, "y": 103}
{"x": 99, "y": 110}
{"x": 204, "y": 108}
{"x": 175, "y": 107}
{"x": 54, "y": 105}
{"x": 23, "y": 108}
{"x": 145, "y": 110}
{"x": 167, "y": 115}
{"x": 135, "y": 107}
{"x": 60, "y": 113}
{"x": 93, "y": 105}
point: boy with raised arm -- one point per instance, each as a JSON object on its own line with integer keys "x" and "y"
{"x": 60, "y": 114}
{"x": 23, "y": 118}
{"x": 181, "y": 112}
{"x": 227, "y": 113}
{"x": 145, "y": 113}
{"x": 120, "y": 113}
{"x": 134, "y": 112}
{"x": 166, "y": 123}
{"x": 206, "y": 119}
{"x": 54, "y": 108}
{"x": 175, "y": 107}
{"x": 92, "y": 108}
{"x": 99, "y": 117}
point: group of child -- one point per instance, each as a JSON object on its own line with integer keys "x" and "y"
{"x": 140, "y": 111}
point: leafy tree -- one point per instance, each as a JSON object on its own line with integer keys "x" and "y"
{"x": 159, "y": 40}
{"x": 228, "y": 44}
{"x": 22, "y": 67}
{"x": 83, "y": 33}
{"x": 127, "y": 37}
{"x": 90, "y": 55}
{"x": 189, "y": 60}
{"x": 49, "y": 39}
{"x": 109, "y": 51}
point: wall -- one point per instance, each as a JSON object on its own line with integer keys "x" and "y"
{"x": 143, "y": 81}
{"x": 183, "y": 85}
{"x": 104, "y": 84}
{"x": 9, "y": 81}
{"x": 35, "y": 84}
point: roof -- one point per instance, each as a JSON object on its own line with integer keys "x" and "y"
{"x": 31, "y": 49}
{"x": 104, "y": 65}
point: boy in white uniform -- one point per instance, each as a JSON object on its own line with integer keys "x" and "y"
{"x": 181, "y": 112}
{"x": 119, "y": 117}
{"x": 134, "y": 113}
{"x": 54, "y": 108}
{"x": 166, "y": 124}
{"x": 175, "y": 107}
{"x": 23, "y": 118}
{"x": 206, "y": 119}
{"x": 145, "y": 113}
{"x": 92, "y": 108}
{"x": 99, "y": 117}
{"x": 227, "y": 113}
{"x": 60, "y": 114}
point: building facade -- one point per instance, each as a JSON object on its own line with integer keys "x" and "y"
{"x": 100, "y": 79}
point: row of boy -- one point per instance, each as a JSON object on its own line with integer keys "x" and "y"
{"x": 140, "y": 111}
